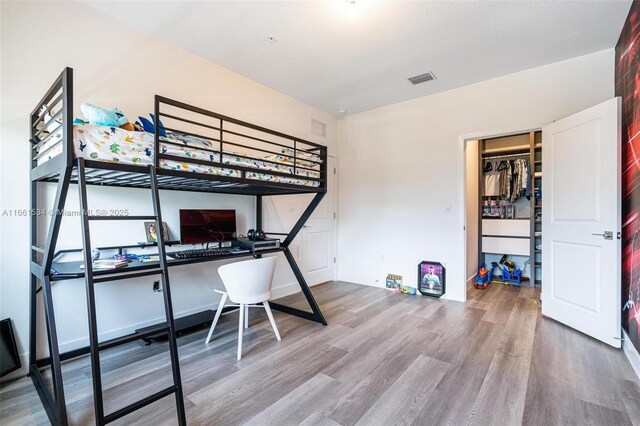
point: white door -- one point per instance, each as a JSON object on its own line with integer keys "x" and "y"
{"x": 581, "y": 221}
{"x": 314, "y": 246}
{"x": 317, "y": 237}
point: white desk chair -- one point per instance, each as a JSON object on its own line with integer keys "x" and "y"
{"x": 247, "y": 283}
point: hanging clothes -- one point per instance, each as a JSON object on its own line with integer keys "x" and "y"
{"x": 508, "y": 179}
{"x": 515, "y": 193}
{"x": 505, "y": 178}
{"x": 491, "y": 181}
{"x": 527, "y": 179}
{"x": 521, "y": 182}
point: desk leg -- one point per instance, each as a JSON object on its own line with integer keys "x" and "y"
{"x": 316, "y": 315}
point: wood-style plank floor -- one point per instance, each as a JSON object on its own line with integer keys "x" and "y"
{"x": 384, "y": 359}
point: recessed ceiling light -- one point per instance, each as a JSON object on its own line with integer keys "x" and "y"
{"x": 271, "y": 39}
{"x": 342, "y": 111}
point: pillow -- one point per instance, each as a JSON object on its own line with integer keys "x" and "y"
{"x": 300, "y": 154}
{"x": 102, "y": 116}
{"x": 149, "y": 127}
{"x": 188, "y": 140}
{"x": 54, "y": 125}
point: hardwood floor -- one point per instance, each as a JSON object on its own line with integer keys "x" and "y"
{"x": 385, "y": 358}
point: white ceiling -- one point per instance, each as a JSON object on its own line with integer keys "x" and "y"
{"x": 332, "y": 55}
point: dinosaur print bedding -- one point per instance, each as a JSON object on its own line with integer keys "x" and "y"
{"x": 117, "y": 145}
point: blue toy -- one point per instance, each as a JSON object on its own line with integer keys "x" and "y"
{"x": 103, "y": 117}
{"x": 149, "y": 127}
{"x": 482, "y": 279}
{"x": 512, "y": 276}
{"x": 485, "y": 276}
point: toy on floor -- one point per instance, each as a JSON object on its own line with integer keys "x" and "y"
{"x": 483, "y": 279}
{"x": 103, "y": 117}
{"x": 514, "y": 276}
{"x": 510, "y": 274}
{"x": 485, "y": 276}
{"x": 408, "y": 290}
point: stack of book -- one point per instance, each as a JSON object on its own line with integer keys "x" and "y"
{"x": 108, "y": 263}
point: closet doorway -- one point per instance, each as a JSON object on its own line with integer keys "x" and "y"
{"x": 504, "y": 210}
{"x": 574, "y": 243}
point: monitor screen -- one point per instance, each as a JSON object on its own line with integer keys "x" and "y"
{"x": 207, "y": 226}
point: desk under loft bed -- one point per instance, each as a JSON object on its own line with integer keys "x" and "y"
{"x": 199, "y": 151}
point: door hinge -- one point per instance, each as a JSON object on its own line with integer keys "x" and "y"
{"x": 334, "y": 260}
{"x": 334, "y": 170}
{"x": 334, "y": 215}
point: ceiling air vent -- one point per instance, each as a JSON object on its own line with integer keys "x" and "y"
{"x": 422, "y": 78}
{"x": 318, "y": 128}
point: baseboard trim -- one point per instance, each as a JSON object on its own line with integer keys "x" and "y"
{"x": 631, "y": 352}
{"x": 360, "y": 279}
{"x": 285, "y": 290}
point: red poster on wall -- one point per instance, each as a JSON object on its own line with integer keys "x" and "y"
{"x": 628, "y": 87}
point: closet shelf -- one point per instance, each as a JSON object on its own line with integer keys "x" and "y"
{"x": 504, "y": 218}
{"x": 509, "y": 150}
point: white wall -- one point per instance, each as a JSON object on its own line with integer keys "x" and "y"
{"x": 472, "y": 213}
{"x": 115, "y": 65}
{"x": 401, "y": 164}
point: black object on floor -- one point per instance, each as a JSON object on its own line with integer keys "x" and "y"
{"x": 184, "y": 325}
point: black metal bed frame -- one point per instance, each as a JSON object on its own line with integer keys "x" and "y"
{"x": 65, "y": 169}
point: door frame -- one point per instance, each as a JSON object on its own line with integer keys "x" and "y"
{"x": 335, "y": 220}
{"x": 334, "y": 228}
{"x": 461, "y": 288}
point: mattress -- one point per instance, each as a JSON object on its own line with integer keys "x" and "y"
{"x": 115, "y": 145}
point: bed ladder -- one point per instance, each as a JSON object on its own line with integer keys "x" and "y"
{"x": 169, "y": 328}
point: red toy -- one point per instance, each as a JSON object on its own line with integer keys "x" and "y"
{"x": 483, "y": 279}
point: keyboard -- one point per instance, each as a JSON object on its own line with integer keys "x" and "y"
{"x": 205, "y": 253}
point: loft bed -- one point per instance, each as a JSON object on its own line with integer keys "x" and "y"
{"x": 201, "y": 151}
{"x": 191, "y": 149}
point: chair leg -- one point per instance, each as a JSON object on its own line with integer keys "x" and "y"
{"x": 217, "y": 317}
{"x": 270, "y": 315}
{"x": 246, "y": 316}
{"x": 240, "y": 329}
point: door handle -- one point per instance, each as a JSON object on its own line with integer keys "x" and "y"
{"x": 306, "y": 226}
{"x": 607, "y": 235}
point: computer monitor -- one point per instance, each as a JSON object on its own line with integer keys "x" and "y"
{"x": 207, "y": 226}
